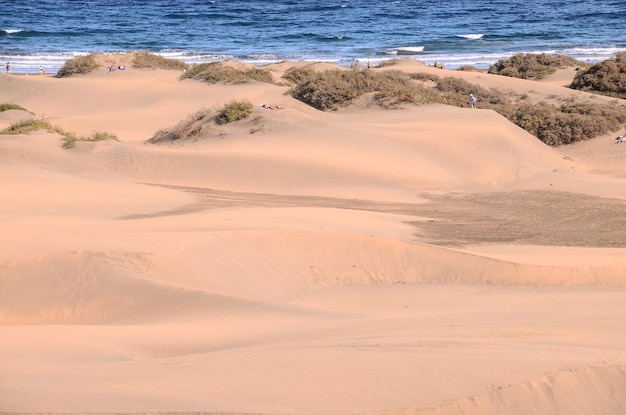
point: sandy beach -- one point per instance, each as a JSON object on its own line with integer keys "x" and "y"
{"x": 425, "y": 260}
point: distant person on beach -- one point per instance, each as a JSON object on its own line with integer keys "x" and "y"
{"x": 112, "y": 68}
{"x": 620, "y": 139}
{"x": 41, "y": 71}
{"x": 473, "y": 101}
{"x": 9, "y": 68}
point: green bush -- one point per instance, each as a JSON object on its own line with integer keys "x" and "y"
{"x": 234, "y": 111}
{"x": 78, "y": 65}
{"x": 532, "y": 66}
{"x": 147, "y": 60}
{"x": 606, "y": 78}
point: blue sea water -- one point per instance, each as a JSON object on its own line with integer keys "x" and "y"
{"x": 453, "y": 32}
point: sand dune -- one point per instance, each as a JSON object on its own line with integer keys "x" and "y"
{"x": 427, "y": 260}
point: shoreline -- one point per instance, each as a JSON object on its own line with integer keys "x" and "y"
{"x": 428, "y": 58}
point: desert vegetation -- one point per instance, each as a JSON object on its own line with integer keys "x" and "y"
{"x": 69, "y": 139}
{"x": 214, "y": 72}
{"x": 331, "y": 89}
{"x": 191, "y": 127}
{"x": 147, "y": 60}
{"x": 78, "y": 65}
{"x": 200, "y": 123}
{"x": 565, "y": 123}
{"x": 234, "y": 111}
{"x": 532, "y": 66}
{"x": 606, "y": 78}
{"x": 7, "y": 107}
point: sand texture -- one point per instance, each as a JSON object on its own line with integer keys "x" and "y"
{"x": 424, "y": 260}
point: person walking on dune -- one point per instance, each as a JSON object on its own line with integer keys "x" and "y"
{"x": 473, "y": 101}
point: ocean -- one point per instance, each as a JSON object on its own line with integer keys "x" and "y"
{"x": 450, "y": 32}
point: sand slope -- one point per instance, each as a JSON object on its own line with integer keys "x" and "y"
{"x": 428, "y": 260}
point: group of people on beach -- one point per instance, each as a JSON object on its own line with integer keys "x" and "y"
{"x": 8, "y": 68}
{"x": 113, "y": 68}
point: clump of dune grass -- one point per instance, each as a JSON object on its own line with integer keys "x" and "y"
{"x": 234, "y": 111}
{"x": 200, "y": 123}
{"x": 7, "y": 107}
{"x": 214, "y": 72}
{"x": 532, "y": 65}
{"x": 387, "y": 62}
{"x": 605, "y": 78}
{"x": 78, "y": 65}
{"x": 193, "y": 126}
{"x": 468, "y": 68}
{"x": 147, "y": 60}
{"x": 69, "y": 139}
{"x": 28, "y": 126}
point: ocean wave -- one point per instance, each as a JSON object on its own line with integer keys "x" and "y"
{"x": 472, "y": 36}
{"x": 13, "y": 31}
{"x": 405, "y": 50}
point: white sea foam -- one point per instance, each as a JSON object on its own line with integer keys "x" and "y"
{"x": 472, "y": 36}
{"x": 406, "y": 50}
{"x": 52, "y": 62}
{"x": 11, "y": 31}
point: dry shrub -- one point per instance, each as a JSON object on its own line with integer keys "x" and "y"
{"x": 298, "y": 75}
{"x": 606, "y": 78}
{"x": 395, "y": 88}
{"x": 78, "y": 65}
{"x": 234, "y": 111}
{"x": 192, "y": 127}
{"x": 423, "y": 76}
{"x": 468, "y": 68}
{"x": 332, "y": 89}
{"x": 214, "y": 72}
{"x": 456, "y": 91}
{"x": 387, "y": 62}
{"x": 147, "y": 60}
{"x": 568, "y": 123}
{"x": 532, "y": 66}
{"x": 554, "y": 125}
